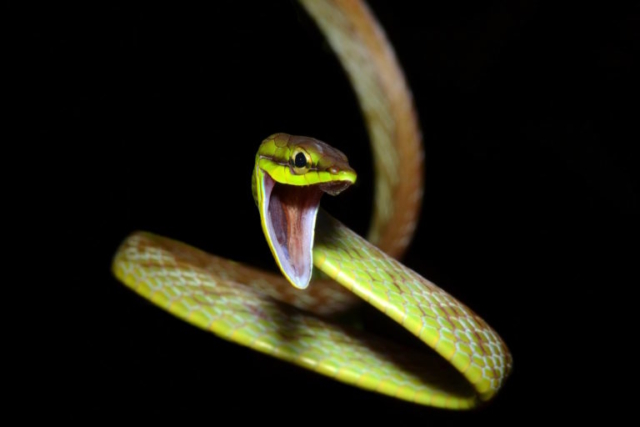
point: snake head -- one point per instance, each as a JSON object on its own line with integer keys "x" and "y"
{"x": 290, "y": 176}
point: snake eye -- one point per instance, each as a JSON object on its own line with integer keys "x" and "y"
{"x": 300, "y": 161}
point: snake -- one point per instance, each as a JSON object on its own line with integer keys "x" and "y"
{"x": 325, "y": 268}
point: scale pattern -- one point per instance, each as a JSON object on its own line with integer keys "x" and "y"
{"x": 428, "y": 312}
{"x": 240, "y": 304}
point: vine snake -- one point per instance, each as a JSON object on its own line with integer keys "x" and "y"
{"x": 464, "y": 362}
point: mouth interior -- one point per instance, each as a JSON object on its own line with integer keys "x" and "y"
{"x": 291, "y": 218}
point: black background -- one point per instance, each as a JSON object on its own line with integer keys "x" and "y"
{"x": 155, "y": 111}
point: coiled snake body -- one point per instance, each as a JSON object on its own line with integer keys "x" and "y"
{"x": 263, "y": 311}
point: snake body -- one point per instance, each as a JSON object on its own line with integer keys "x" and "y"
{"x": 464, "y": 362}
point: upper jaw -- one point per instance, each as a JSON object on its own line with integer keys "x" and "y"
{"x": 334, "y": 187}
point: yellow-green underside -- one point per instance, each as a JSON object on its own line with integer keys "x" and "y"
{"x": 159, "y": 270}
{"x": 281, "y": 173}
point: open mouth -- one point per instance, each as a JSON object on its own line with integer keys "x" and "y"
{"x": 290, "y": 216}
